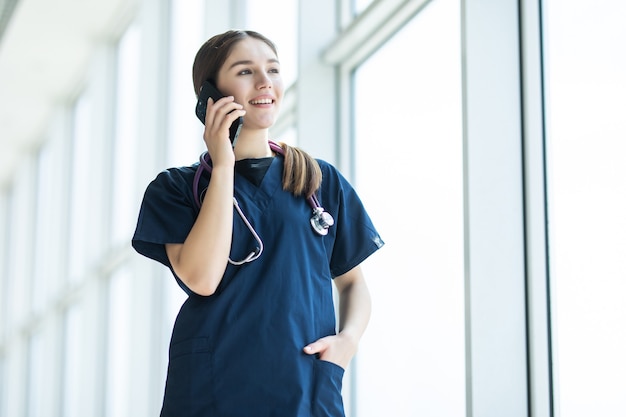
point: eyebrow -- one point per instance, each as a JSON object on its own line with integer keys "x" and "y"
{"x": 248, "y": 62}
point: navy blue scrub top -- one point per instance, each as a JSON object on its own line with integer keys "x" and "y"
{"x": 238, "y": 352}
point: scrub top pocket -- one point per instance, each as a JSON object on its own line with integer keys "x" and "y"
{"x": 189, "y": 392}
{"x": 327, "y": 384}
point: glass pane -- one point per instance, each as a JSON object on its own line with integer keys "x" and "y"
{"x": 586, "y": 102}
{"x": 3, "y": 386}
{"x": 409, "y": 172}
{"x": 281, "y": 28}
{"x": 4, "y": 267}
{"x": 185, "y": 141}
{"x": 359, "y": 6}
{"x": 36, "y": 388}
{"x": 50, "y": 211}
{"x": 119, "y": 349}
{"x": 125, "y": 146}
{"x": 289, "y": 136}
{"x": 20, "y": 233}
{"x": 73, "y": 361}
{"x": 79, "y": 199}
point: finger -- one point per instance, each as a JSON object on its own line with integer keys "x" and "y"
{"x": 220, "y": 116}
{"x": 216, "y": 108}
{"x": 229, "y": 111}
{"x": 224, "y": 102}
{"x": 207, "y": 114}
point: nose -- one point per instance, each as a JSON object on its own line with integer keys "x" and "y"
{"x": 263, "y": 81}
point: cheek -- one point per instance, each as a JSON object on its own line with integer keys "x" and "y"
{"x": 232, "y": 88}
{"x": 278, "y": 83}
{"x": 279, "y": 88}
{"x": 239, "y": 94}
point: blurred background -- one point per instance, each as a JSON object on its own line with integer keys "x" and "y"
{"x": 486, "y": 138}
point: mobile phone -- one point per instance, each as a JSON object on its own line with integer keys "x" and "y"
{"x": 208, "y": 89}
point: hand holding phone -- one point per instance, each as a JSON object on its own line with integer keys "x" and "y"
{"x": 208, "y": 89}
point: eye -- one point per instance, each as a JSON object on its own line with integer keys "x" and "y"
{"x": 244, "y": 72}
{"x": 274, "y": 70}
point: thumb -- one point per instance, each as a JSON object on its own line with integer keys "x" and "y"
{"x": 315, "y": 347}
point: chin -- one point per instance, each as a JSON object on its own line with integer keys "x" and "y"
{"x": 265, "y": 124}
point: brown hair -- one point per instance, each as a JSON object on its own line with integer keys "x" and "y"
{"x": 212, "y": 55}
{"x": 302, "y": 174}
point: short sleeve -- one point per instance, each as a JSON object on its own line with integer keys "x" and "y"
{"x": 355, "y": 237}
{"x": 167, "y": 213}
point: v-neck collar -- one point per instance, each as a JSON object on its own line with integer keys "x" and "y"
{"x": 254, "y": 169}
{"x": 262, "y": 194}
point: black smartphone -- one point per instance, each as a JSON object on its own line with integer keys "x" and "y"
{"x": 208, "y": 89}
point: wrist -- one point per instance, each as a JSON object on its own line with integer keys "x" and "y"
{"x": 349, "y": 338}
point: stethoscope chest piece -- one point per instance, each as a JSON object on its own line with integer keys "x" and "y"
{"x": 321, "y": 221}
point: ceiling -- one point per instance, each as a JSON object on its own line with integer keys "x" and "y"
{"x": 45, "y": 49}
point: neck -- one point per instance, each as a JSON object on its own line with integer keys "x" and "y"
{"x": 252, "y": 146}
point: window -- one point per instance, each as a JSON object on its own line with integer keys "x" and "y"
{"x": 360, "y": 6}
{"x": 126, "y": 137}
{"x": 586, "y": 102}
{"x": 119, "y": 346}
{"x": 4, "y": 267}
{"x": 36, "y": 380}
{"x": 20, "y": 237}
{"x": 73, "y": 361}
{"x": 185, "y": 141}
{"x": 281, "y": 28}
{"x": 409, "y": 173}
{"x": 79, "y": 243}
{"x": 51, "y": 221}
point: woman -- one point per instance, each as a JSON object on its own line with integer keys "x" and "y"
{"x": 256, "y": 337}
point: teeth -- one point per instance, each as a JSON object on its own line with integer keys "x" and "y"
{"x": 264, "y": 101}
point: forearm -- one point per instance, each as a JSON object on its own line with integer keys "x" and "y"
{"x": 354, "y": 308}
{"x": 201, "y": 261}
{"x": 354, "y": 313}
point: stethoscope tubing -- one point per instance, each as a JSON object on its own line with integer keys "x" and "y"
{"x": 204, "y": 164}
{"x": 259, "y": 250}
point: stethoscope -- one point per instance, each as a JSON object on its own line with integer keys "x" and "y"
{"x": 320, "y": 221}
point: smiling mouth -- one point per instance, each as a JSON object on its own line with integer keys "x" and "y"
{"x": 262, "y": 101}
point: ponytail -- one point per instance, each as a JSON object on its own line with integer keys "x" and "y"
{"x": 302, "y": 174}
